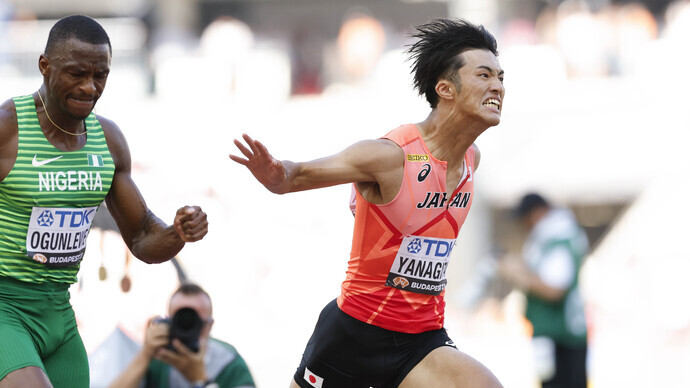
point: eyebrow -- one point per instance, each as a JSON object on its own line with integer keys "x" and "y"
{"x": 490, "y": 69}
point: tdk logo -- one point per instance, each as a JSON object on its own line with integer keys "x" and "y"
{"x": 414, "y": 246}
{"x": 66, "y": 218}
{"x": 46, "y": 218}
{"x": 430, "y": 247}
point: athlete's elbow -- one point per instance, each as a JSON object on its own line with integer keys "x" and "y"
{"x": 153, "y": 259}
{"x": 276, "y": 190}
{"x": 155, "y": 253}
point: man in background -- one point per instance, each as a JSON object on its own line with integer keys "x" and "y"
{"x": 165, "y": 362}
{"x": 548, "y": 273}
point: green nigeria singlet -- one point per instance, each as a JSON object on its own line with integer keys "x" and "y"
{"x": 48, "y": 201}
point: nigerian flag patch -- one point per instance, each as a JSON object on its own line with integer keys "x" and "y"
{"x": 95, "y": 160}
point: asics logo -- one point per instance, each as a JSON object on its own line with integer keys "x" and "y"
{"x": 426, "y": 169}
{"x": 38, "y": 163}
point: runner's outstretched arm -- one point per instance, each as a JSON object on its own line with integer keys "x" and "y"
{"x": 369, "y": 161}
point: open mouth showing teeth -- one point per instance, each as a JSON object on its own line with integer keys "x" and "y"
{"x": 492, "y": 103}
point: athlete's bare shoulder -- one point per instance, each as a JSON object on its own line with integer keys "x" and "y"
{"x": 8, "y": 137}
{"x": 381, "y": 153}
{"x": 391, "y": 155}
{"x": 117, "y": 144}
{"x": 8, "y": 119}
{"x": 384, "y": 161}
{"x": 8, "y": 126}
{"x": 110, "y": 128}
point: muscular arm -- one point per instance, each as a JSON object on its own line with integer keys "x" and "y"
{"x": 8, "y": 137}
{"x": 376, "y": 165}
{"x": 147, "y": 236}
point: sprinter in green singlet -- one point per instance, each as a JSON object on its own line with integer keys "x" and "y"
{"x": 58, "y": 163}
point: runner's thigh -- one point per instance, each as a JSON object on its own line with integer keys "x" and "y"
{"x": 450, "y": 368}
{"x": 17, "y": 348}
{"x": 68, "y": 367}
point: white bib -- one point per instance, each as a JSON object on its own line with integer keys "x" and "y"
{"x": 57, "y": 236}
{"x": 420, "y": 265}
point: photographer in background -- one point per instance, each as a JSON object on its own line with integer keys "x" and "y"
{"x": 167, "y": 358}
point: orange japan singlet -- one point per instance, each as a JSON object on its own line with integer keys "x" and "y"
{"x": 396, "y": 276}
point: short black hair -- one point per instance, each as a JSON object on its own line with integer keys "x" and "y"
{"x": 80, "y": 27}
{"x": 435, "y": 54}
{"x": 528, "y": 203}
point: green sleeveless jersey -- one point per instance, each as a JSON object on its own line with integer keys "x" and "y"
{"x": 563, "y": 320}
{"x": 48, "y": 201}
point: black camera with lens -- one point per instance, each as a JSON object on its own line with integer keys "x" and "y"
{"x": 186, "y": 326}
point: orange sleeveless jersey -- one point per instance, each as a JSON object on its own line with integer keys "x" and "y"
{"x": 396, "y": 275}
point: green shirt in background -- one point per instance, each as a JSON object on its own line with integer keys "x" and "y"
{"x": 224, "y": 366}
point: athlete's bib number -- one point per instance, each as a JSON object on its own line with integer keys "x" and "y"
{"x": 420, "y": 265}
{"x": 57, "y": 236}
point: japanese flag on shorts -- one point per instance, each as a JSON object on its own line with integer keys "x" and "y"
{"x": 312, "y": 379}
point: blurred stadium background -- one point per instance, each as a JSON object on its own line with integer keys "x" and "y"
{"x": 593, "y": 118}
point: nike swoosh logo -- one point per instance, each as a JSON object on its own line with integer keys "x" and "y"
{"x": 37, "y": 163}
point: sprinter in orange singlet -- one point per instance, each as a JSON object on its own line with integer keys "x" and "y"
{"x": 413, "y": 190}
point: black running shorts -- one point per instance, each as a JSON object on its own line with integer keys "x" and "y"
{"x": 344, "y": 352}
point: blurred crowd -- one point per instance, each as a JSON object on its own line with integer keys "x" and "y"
{"x": 573, "y": 38}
